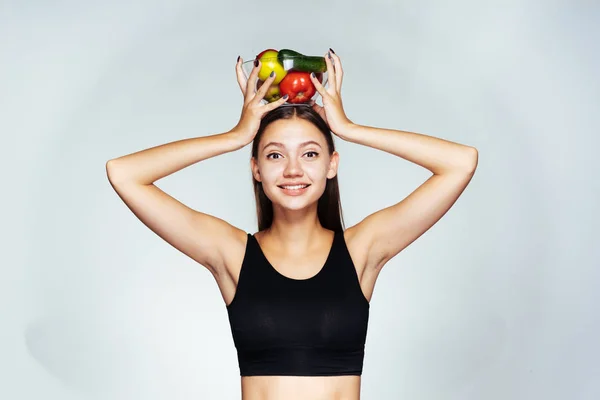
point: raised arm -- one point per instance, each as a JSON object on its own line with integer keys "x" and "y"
{"x": 201, "y": 236}
{"x": 198, "y": 235}
{"x": 387, "y": 232}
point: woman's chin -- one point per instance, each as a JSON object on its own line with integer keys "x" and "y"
{"x": 295, "y": 203}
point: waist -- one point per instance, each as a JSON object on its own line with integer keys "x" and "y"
{"x": 301, "y": 361}
{"x": 301, "y": 387}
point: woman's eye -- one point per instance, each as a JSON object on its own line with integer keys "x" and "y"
{"x": 309, "y": 154}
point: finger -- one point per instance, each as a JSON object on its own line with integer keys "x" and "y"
{"x": 275, "y": 104}
{"x": 339, "y": 71}
{"x": 251, "y": 83}
{"x": 330, "y": 71}
{"x": 320, "y": 88}
{"x": 260, "y": 94}
{"x": 317, "y": 108}
{"x": 241, "y": 78}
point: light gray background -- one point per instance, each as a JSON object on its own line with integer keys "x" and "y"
{"x": 497, "y": 301}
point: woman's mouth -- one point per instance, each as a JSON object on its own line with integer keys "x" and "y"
{"x": 294, "y": 190}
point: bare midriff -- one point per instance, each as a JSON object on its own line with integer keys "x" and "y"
{"x": 301, "y": 387}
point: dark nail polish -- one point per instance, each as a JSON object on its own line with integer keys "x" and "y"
{"x": 272, "y": 74}
{"x": 256, "y": 62}
{"x": 329, "y": 55}
{"x": 313, "y": 75}
{"x": 285, "y": 97}
{"x": 238, "y": 60}
{"x": 331, "y": 50}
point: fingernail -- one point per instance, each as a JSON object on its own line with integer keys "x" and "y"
{"x": 285, "y": 97}
{"x": 238, "y": 60}
{"x": 256, "y": 62}
{"x": 312, "y": 74}
{"x": 272, "y": 74}
{"x": 329, "y": 55}
{"x": 330, "y": 49}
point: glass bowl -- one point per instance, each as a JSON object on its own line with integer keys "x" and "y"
{"x": 293, "y": 76}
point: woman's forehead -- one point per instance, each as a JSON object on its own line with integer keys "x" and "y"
{"x": 292, "y": 133}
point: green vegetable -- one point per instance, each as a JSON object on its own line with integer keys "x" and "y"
{"x": 291, "y": 59}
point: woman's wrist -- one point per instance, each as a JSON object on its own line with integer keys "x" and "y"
{"x": 239, "y": 138}
{"x": 347, "y": 130}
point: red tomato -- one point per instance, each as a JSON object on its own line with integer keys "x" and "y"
{"x": 298, "y": 86}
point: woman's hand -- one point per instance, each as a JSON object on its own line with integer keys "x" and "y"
{"x": 332, "y": 110}
{"x": 253, "y": 110}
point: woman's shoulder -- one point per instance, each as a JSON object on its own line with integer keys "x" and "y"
{"x": 234, "y": 249}
{"x": 358, "y": 246}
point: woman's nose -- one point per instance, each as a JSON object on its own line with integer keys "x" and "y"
{"x": 293, "y": 168}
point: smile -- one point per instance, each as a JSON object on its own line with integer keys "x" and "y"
{"x": 294, "y": 190}
{"x": 294, "y": 187}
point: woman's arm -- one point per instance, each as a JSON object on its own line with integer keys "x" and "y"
{"x": 147, "y": 166}
{"x": 387, "y": 232}
{"x": 437, "y": 155}
{"x": 198, "y": 235}
{"x": 208, "y": 240}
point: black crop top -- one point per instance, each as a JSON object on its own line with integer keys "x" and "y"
{"x": 302, "y": 327}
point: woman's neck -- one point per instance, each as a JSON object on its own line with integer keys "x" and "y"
{"x": 295, "y": 236}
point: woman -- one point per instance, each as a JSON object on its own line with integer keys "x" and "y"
{"x": 297, "y": 292}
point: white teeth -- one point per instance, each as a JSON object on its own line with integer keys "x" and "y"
{"x": 295, "y": 187}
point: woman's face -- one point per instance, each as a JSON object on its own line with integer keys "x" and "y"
{"x": 293, "y": 163}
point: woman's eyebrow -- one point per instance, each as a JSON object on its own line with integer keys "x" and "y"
{"x": 278, "y": 144}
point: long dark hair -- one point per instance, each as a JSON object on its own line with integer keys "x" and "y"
{"x": 329, "y": 208}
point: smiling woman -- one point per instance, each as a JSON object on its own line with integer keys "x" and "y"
{"x": 298, "y": 291}
{"x": 294, "y": 146}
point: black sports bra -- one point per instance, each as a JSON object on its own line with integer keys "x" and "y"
{"x": 303, "y": 327}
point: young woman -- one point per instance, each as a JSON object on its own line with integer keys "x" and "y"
{"x": 297, "y": 292}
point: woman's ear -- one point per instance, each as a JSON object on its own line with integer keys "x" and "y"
{"x": 333, "y": 165}
{"x": 254, "y": 168}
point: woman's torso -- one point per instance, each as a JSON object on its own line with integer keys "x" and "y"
{"x": 301, "y": 387}
{"x": 297, "y": 387}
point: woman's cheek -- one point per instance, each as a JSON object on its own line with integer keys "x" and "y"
{"x": 269, "y": 178}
